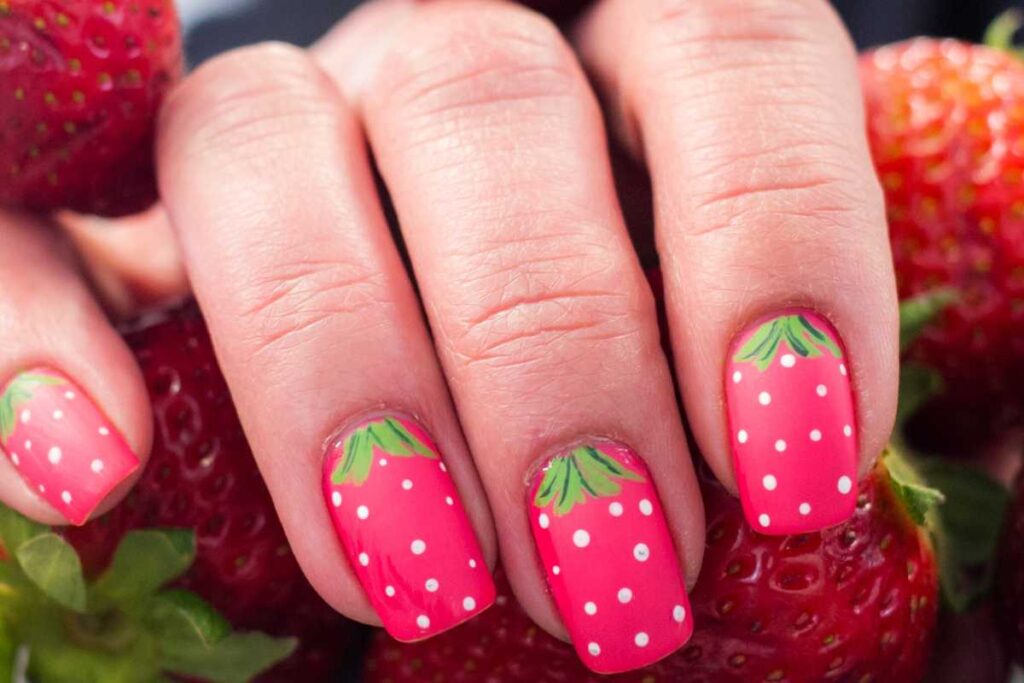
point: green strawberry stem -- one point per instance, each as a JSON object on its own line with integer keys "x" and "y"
{"x": 18, "y": 392}
{"x": 794, "y": 331}
{"x": 386, "y": 435}
{"x": 1001, "y": 32}
{"x": 584, "y": 473}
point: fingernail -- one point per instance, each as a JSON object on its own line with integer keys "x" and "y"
{"x": 403, "y": 527}
{"x": 60, "y": 442}
{"x": 792, "y": 424}
{"x": 609, "y": 557}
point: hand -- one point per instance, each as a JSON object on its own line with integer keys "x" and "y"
{"x": 536, "y": 376}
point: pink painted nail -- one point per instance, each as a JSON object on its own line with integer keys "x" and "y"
{"x": 609, "y": 558}
{"x": 62, "y": 445}
{"x": 792, "y": 424}
{"x": 403, "y": 527}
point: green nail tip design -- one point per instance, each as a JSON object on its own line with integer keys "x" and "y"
{"x": 802, "y": 337}
{"x": 18, "y": 392}
{"x": 585, "y": 472}
{"x": 387, "y": 435}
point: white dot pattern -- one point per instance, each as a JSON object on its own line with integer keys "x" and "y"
{"x": 418, "y": 547}
{"x": 581, "y": 538}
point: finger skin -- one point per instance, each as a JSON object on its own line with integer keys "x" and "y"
{"x": 492, "y": 147}
{"x": 749, "y": 117}
{"x": 74, "y": 417}
{"x": 315, "y": 323}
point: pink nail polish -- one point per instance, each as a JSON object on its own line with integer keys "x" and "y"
{"x": 609, "y": 559}
{"x": 403, "y": 527}
{"x": 792, "y": 424}
{"x": 64, "y": 448}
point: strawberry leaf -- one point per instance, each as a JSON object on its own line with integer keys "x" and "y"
{"x": 143, "y": 562}
{"x": 387, "y": 435}
{"x": 917, "y": 384}
{"x": 52, "y": 565}
{"x": 19, "y": 391}
{"x": 918, "y": 311}
{"x": 795, "y": 331}
{"x": 919, "y": 500}
{"x": 183, "y": 619}
{"x": 585, "y": 472}
{"x": 236, "y": 658}
{"x": 15, "y": 529}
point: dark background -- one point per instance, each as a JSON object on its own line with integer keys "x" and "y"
{"x": 872, "y": 22}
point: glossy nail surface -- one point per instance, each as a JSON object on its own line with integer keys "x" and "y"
{"x": 60, "y": 442}
{"x": 609, "y": 558}
{"x": 792, "y": 424}
{"x": 403, "y": 527}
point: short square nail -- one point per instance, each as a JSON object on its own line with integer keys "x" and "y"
{"x": 792, "y": 424}
{"x": 404, "y": 529}
{"x": 61, "y": 443}
{"x": 609, "y": 558}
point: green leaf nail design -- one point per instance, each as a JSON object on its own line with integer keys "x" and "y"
{"x": 20, "y": 391}
{"x": 586, "y": 471}
{"x": 795, "y": 331}
{"x": 387, "y": 435}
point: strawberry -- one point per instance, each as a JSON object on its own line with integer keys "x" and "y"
{"x": 81, "y": 83}
{"x": 853, "y": 603}
{"x": 201, "y": 476}
{"x": 945, "y": 121}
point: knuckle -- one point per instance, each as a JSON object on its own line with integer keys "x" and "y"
{"x": 249, "y": 96}
{"x": 462, "y": 59}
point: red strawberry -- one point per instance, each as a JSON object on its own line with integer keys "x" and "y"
{"x": 80, "y": 86}
{"x": 201, "y": 476}
{"x": 853, "y": 603}
{"x": 946, "y": 126}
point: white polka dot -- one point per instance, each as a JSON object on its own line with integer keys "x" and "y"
{"x": 780, "y": 446}
{"x": 69, "y": 395}
{"x": 26, "y": 415}
{"x": 432, "y": 585}
{"x": 805, "y": 509}
{"x": 764, "y": 520}
{"x": 472, "y": 564}
{"x": 556, "y": 570}
{"x": 364, "y": 559}
{"x": 66, "y": 497}
{"x": 788, "y": 360}
{"x": 54, "y": 455}
{"x": 646, "y": 508}
{"x": 443, "y": 468}
{"x": 28, "y": 445}
{"x": 742, "y": 436}
{"x": 468, "y": 604}
{"x": 821, "y": 390}
{"x": 336, "y": 498}
{"x": 407, "y": 484}
{"x": 418, "y": 547}
{"x": 594, "y": 649}
{"x": 815, "y": 435}
{"x": 423, "y": 621}
{"x": 104, "y": 431}
{"x": 449, "y": 500}
{"x": 580, "y": 538}
{"x": 590, "y": 608}
{"x": 848, "y": 430}
{"x": 769, "y": 482}
{"x": 641, "y": 639}
{"x": 58, "y": 415}
{"x": 383, "y": 462}
{"x": 737, "y": 376}
{"x": 641, "y": 552}
{"x": 362, "y": 512}
{"x": 764, "y": 398}
{"x": 389, "y": 591}
{"x": 845, "y": 484}
{"x": 625, "y": 595}
{"x": 615, "y": 509}
{"x": 15, "y": 459}
{"x": 679, "y": 613}
{"x": 544, "y": 521}
{"x": 42, "y": 489}
{"x": 96, "y": 466}
{"x": 842, "y": 369}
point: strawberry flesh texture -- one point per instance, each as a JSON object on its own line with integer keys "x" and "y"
{"x": 853, "y": 603}
{"x": 201, "y": 475}
{"x": 80, "y": 88}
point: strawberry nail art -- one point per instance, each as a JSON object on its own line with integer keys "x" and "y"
{"x": 609, "y": 558}
{"x": 60, "y": 443}
{"x": 403, "y": 527}
{"x": 792, "y": 424}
